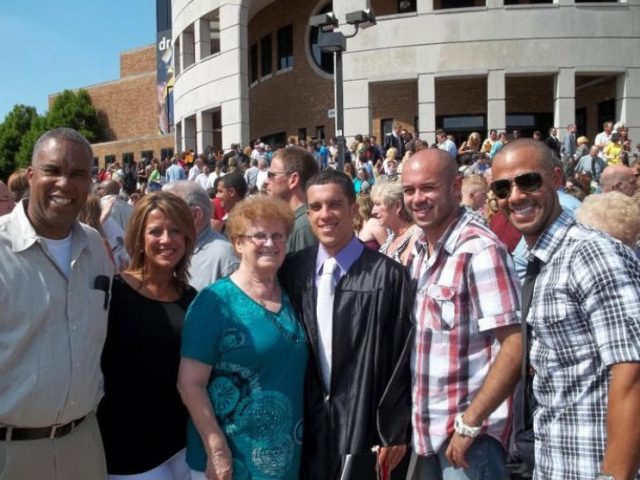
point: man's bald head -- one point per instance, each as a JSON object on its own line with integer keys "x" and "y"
{"x": 441, "y": 160}
{"x": 431, "y": 189}
{"x": 110, "y": 187}
{"x": 539, "y": 151}
{"x": 618, "y": 178}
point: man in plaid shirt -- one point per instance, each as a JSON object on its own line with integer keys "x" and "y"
{"x": 467, "y": 351}
{"x": 585, "y": 319}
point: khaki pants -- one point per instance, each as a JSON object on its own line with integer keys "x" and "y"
{"x": 76, "y": 456}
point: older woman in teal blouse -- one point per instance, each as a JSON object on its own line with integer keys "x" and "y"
{"x": 244, "y": 356}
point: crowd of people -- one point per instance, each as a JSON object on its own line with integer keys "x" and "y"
{"x": 433, "y": 311}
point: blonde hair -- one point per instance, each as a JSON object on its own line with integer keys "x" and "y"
{"x": 468, "y": 183}
{"x": 390, "y": 193}
{"x": 176, "y": 210}
{"x": 365, "y": 206}
{"x": 391, "y": 153}
{"x": 614, "y": 213}
{"x": 474, "y": 139}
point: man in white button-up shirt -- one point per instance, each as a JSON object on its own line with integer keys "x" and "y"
{"x": 55, "y": 279}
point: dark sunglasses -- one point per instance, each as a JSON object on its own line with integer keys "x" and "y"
{"x": 527, "y": 183}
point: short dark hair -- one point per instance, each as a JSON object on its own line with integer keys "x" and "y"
{"x": 299, "y": 160}
{"x": 62, "y": 133}
{"x": 237, "y": 182}
{"x": 330, "y": 176}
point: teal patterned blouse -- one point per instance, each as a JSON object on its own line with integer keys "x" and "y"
{"x": 258, "y": 361}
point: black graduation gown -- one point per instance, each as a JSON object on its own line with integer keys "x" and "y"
{"x": 370, "y": 400}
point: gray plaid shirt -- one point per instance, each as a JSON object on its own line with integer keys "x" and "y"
{"x": 585, "y": 315}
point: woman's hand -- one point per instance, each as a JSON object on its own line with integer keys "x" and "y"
{"x": 219, "y": 462}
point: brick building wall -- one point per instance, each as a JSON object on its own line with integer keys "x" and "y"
{"x": 128, "y": 108}
{"x": 139, "y": 60}
{"x": 393, "y": 100}
{"x": 289, "y": 100}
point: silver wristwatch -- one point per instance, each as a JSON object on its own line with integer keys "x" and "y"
{"x": 605, "y": 476}
{"x": 465, "y": 430}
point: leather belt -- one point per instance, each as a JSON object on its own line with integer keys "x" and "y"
{"x": 55, "y": 431}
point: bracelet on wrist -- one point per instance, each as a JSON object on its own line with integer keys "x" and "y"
{"x": 465, "y": 430}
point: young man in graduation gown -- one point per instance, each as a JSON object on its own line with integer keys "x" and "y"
{"x": 355, "y": 305}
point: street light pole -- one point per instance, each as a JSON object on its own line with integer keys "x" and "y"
{"x": 339, "y": 94}
{"x": 335, "y": 42}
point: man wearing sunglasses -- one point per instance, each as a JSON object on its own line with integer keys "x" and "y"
{"x": 466, "y": 352}
{"x": 584, "y": 317}
{"x": 291, "y": 167}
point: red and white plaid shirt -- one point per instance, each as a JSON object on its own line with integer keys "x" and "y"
{"x": 465, "y": 289}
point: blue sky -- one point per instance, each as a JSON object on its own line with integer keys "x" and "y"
{"x": 51, "y": 45}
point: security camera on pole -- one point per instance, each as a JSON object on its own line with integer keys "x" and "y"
{"x": 336, "y": 43}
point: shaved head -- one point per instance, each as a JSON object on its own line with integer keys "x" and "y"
{"x": 543, "y": 154}
{"x": 431, "y": 189}
{"x": 439, "y": 159}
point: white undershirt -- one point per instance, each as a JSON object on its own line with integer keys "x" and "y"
{"x": 60, "y": 250}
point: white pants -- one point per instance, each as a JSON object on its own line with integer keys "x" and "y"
{"x": 175, "y": 468}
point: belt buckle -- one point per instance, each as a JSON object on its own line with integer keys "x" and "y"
{"x": 52, "y": 434}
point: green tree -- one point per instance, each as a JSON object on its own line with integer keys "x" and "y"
{"x": 75, "y": 110}
{"x": 16, "y": 124}
{"x": 38, "y": 127}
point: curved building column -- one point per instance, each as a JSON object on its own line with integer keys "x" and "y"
{"x": 564, "y": 100}
{"x": 427, "y": 105}
{"x": 234, "y": 18}
{"x": 496, "y": 101}
{"x": 204, "y": 131}
{"x": 628, "y": 101}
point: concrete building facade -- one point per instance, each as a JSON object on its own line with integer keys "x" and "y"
{"x": 251, "y": 68}
{"x": 128, "y": 108}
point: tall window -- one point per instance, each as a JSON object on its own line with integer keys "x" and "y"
{"x": 323, "y": 60}
{"x": 386, "y": 126}
{"x": 253, "y": 63}
{"x": 405, "y": 6}
{"x": 109, "y": 159}
{"x": 214, "y": 31}
{"x": 265, "y": 56}
{"x": 146, "y": 155}
{"x": 302, "y": 134}
{"x": 166, "y": 153}
{"x": 285, "y": 47}
{"x": 127, "y": 158}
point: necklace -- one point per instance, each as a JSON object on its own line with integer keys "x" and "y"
{"x": 270, "y": 296}
{"x": 398, "y": 240}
